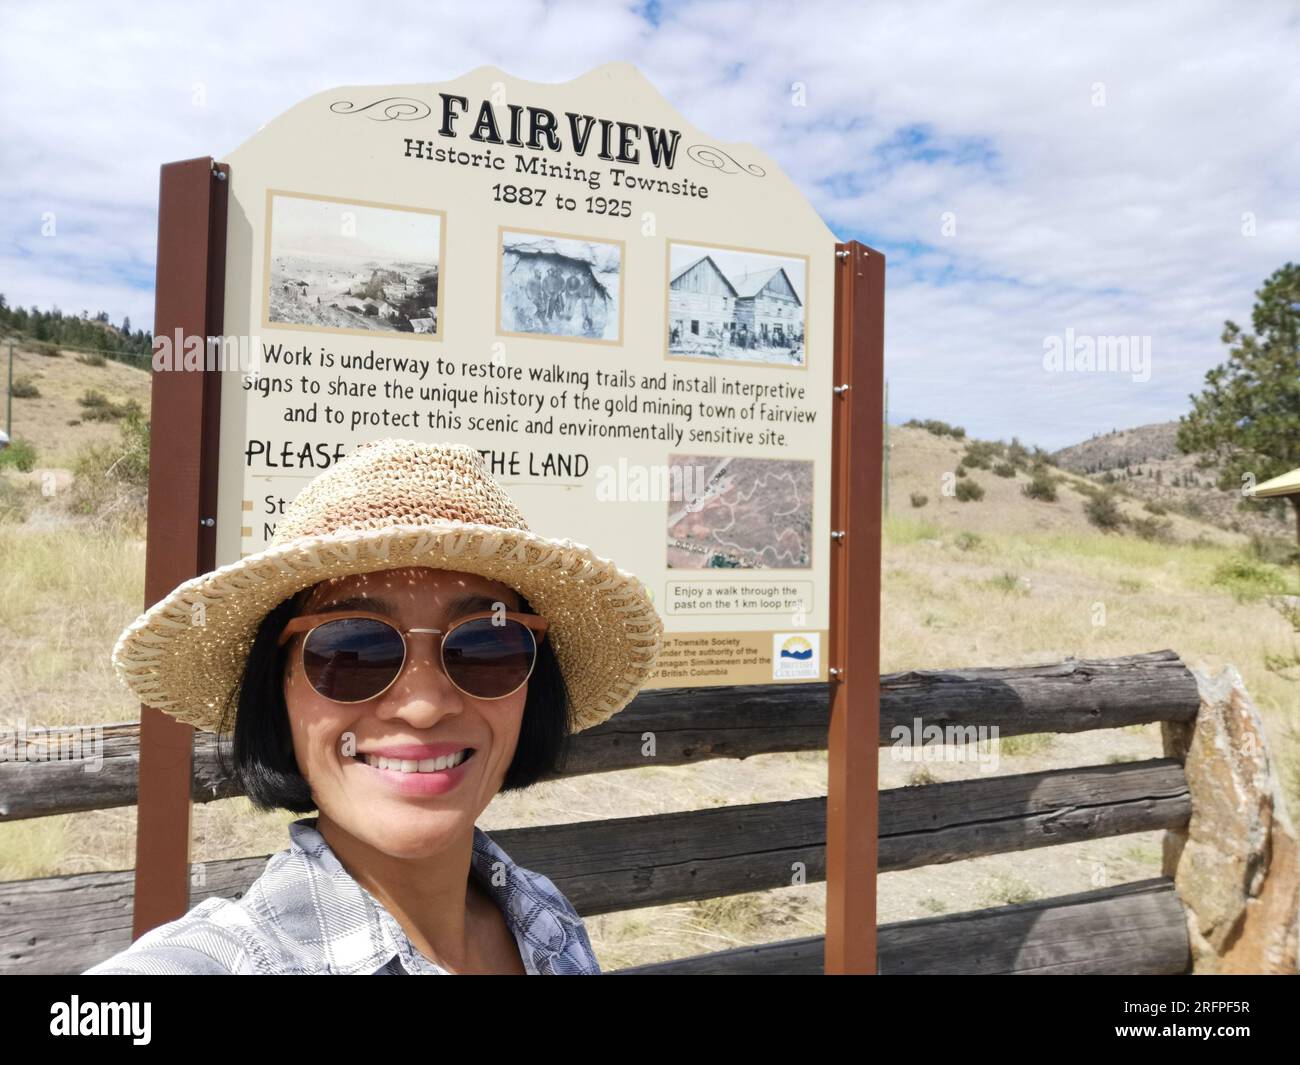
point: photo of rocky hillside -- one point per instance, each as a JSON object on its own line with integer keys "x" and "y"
{"x": 338, "y": 265}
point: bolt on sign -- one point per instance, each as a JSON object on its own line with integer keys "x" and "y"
{"x": 631, "y": 320}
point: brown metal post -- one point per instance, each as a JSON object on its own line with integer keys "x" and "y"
{"x": 853, "y": 744}
{"x": 183, "y": 436}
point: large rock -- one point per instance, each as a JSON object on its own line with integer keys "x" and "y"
{"x": 1237, "y": 865}
{"x": 602, "y": 258}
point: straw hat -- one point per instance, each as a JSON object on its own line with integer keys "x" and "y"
{"x": 388, "y": 504}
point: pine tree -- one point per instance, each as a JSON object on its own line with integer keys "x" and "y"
{"x": 1249, "y": 414}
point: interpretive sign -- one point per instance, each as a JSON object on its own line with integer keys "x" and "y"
{"x": 632, "y": 321}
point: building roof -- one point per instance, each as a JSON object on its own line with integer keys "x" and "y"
{"x": 753, "y": 284}
{"x": 696, "y": 262}
{"x": 1284, "y": 485}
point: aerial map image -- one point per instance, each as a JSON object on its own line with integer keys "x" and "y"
{"x": 740, "y": 513}
{"x": 351, "y": 266}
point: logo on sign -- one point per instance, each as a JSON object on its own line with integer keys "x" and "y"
{"x": 795, "y": 655}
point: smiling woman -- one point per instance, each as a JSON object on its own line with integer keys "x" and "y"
{"x": 423, "y": 651}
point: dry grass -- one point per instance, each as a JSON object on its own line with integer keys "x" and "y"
{"x": 62, "y": 380}
{"x": 1007, "y": 586}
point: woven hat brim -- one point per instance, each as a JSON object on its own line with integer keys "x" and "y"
{"x": 185, "y": 654}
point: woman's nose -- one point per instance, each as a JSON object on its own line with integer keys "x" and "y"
{"x": 423, "y": 692}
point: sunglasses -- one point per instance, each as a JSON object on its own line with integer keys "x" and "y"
{"x": 349, "y": 658}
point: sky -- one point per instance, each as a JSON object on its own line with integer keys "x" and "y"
{"x": 1032, "y": 172}
{"x": 317, "y": 227}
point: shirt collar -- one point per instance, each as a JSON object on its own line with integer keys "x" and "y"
{"x": 542, "y": 928}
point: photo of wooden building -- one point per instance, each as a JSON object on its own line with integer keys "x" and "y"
{"x": 730, "y": 304}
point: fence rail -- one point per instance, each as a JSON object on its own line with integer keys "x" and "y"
{"x": 1136, "y": 929}
{"x": 697, "y": 724}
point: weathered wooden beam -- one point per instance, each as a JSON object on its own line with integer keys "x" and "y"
{"x": 696, "y": 724}
{"x": 66, "y": 924}
{"x": 1130, "y": 929}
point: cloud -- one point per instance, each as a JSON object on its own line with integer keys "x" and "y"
{"x": 1026, "y": 168}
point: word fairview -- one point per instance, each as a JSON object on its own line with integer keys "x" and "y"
{"x": 616, "y": 139}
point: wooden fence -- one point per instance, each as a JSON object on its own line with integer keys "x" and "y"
{"x": 66, "y": 924}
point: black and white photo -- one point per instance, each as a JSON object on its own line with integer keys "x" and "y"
{"x": 732, "y": 303}
{"x": 560, "y": 286}
{"x": 353, "y": 267}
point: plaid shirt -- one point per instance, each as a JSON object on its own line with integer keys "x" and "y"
{"x": 306, "y": 915}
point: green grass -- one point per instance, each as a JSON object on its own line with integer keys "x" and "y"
{"x": 1029, "y": 743}
{"x": 16, "y": 501}
{"x": 1248, "y": 579}
{"x": 905, "y": 529}
{"x": 1007, "y": 584}
{"x": 1005, "y": 890}
{"x": 19, "y": 455}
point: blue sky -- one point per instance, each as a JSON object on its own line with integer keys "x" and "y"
{"x": 1112, "y": 169}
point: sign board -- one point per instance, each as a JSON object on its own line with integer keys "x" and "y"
{"x": 631, "y": 320}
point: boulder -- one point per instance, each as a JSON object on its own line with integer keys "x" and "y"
{"x": 1236, "y": 866}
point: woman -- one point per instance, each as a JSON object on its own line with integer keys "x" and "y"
{"x": 403, "y": 649}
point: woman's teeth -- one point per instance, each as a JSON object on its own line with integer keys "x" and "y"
{"x": 407, "y": 765}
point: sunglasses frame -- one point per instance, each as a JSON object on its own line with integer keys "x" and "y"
{"x": 309, "y": 623}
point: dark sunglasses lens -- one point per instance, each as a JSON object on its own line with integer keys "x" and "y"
{"x": 489, "y": 661}
{"x": 352, "y": 658}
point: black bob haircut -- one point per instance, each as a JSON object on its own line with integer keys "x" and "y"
{"x": 262, "y": 748}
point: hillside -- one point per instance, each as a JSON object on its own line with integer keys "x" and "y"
{"x": 53, "y": 421}
{"x": 920, "y": 459}
{"x": 1147, "y": 462}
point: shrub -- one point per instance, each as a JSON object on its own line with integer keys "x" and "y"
{"x": 99, "y": 408}
{"x": 961, "y": 470}
{"x": 1004, "y": 469}
{"x": 1041, "y": 487}
{"x": 1104, "y": 512}
{"x": 1247, "y": 578}
{"x": 1274, "y": 549}
{"x": 20, "y": 455}
{"x": 92, "y": 358}
{"x": 938, "y": 428}
{"x": 132, "y": 463}
{"x": 968, "y": 491}
{"x": 980, "y": 454}
{"x": 1008, "y": 584}
{"x": 919, "y": 499}
{"x": 968, "y": 541}
{"x": 1190, "y": 508}
{"x": 1154, "y": 508}
{"x": 24, "y": 387}
{"x": 1152, "y": 528}
{"x": 112, "y": 479}
{"x": 15, "y": 501}
{"x": 44, "y": 347}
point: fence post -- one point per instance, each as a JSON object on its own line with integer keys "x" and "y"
{"x": 183, "y": 436}
{"x": 853, "y": 742}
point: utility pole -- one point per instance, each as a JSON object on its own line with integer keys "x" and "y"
{"x": 9, "y": 397}
{"x": 885, "y": 449}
